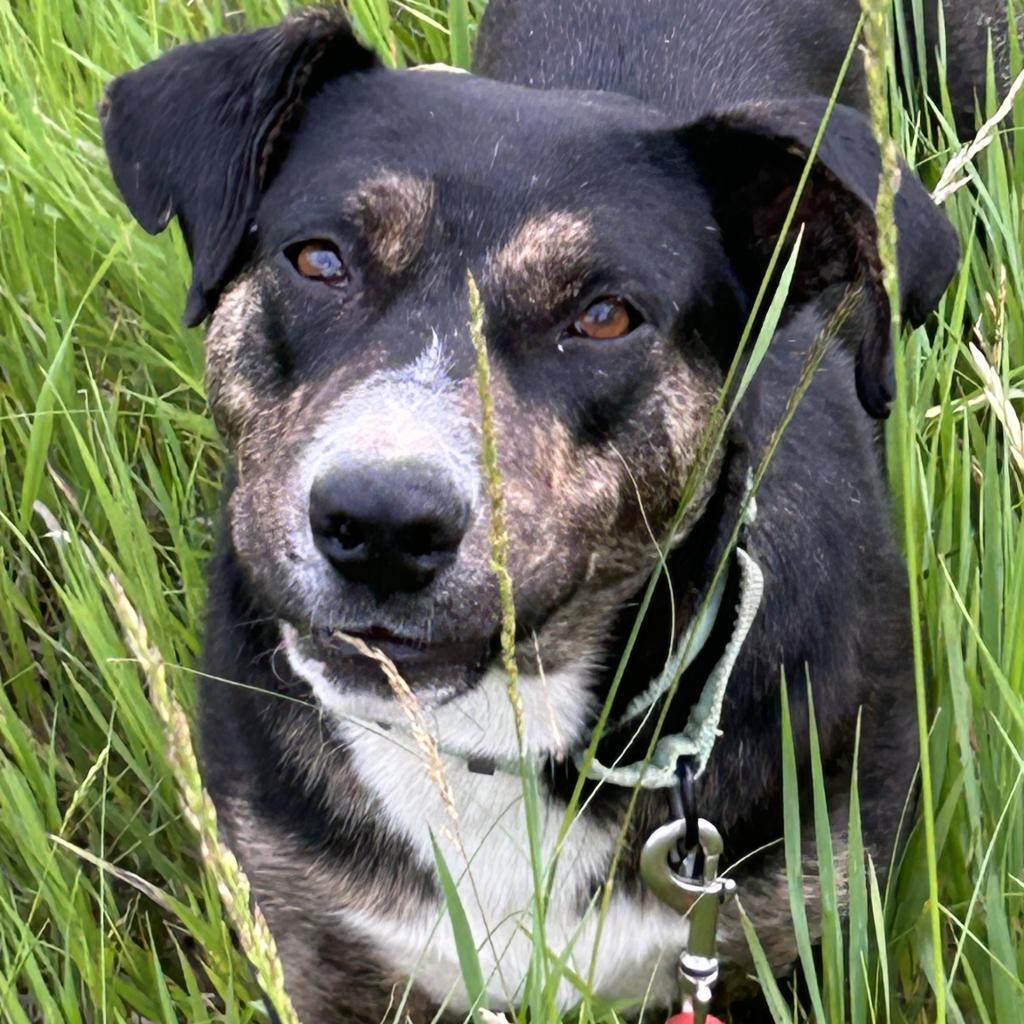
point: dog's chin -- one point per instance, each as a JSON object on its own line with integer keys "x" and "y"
{"x": 359, "y": 663}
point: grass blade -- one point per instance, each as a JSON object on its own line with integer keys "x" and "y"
{"x": 469, "y": 959}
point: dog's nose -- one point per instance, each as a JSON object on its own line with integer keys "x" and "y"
{"x": 392, "y": 527}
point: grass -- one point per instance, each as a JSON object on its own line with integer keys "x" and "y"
{"x": 108, "y": 910}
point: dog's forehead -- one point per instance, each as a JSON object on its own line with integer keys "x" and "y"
{"x": 465, "y": 140}
{"x": 432, "y": 109}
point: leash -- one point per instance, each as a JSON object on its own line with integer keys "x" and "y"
{"x": 679, "y": 864}
{"x": 679, "y": 861}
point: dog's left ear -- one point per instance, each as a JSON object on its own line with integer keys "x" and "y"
{"x": 193, "y": 133}
{"x": 751, "y": 158}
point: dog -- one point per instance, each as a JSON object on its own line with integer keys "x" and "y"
{"x": 615, "y": 177}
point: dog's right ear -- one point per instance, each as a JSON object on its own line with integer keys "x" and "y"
{"x": 192, "y": 134}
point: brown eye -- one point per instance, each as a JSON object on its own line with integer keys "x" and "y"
{"x": 606, "y": 319}
{"x": 320, "y": 261}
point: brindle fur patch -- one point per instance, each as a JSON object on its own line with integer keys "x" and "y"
{"x": 394, "y": 211}
{"x": 540, "y": 265}
{"x": 237, "y": 374}
{"x": 300, "y": 895}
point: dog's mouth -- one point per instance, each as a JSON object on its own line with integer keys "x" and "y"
{"x": 348, "y": 660}
{"x": 405, "y": 651}
{"x": 354, "y": 656}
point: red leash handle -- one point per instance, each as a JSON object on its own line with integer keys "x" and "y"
{"x": 686, "y": 1017}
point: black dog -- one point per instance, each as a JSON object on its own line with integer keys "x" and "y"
{"x": 615, "y": 177}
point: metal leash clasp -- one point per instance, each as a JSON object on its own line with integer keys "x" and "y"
{"x": 700, "y": 899}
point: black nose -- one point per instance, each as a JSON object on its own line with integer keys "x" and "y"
{"x": 392, "y": 527}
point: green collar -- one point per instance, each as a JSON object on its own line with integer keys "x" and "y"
{"x": 698, "y": 737}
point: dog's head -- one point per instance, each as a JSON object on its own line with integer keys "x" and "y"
{"x": 332, "y": 210}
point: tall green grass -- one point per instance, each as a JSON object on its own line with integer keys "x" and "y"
{"x": 111, "y": 468}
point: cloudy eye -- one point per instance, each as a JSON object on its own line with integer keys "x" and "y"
{"x": 606, "y": 319}
{"x": 319, "y": 260}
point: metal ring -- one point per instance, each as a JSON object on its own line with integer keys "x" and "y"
{"x": 679, "y": 892}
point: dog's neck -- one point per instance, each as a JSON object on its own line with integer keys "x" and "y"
{"x": 424, "y": 794}
{"x": 689, "y": 570}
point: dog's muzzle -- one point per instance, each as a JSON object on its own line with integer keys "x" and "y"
{"x": 392, "y": 480}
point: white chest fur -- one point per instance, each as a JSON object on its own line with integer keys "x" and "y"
{"x": 489, "y": 855}
{"x": 487, "y": 850}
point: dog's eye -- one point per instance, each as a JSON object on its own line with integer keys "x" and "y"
{"x": 606, "y": 319}
{"x": 320, "y": 261}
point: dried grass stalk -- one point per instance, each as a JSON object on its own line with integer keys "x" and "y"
{"x": 998, "y": 399}
{"x": 413, "y": 711}
{"x": 250, "y": 924}
{"x": 949, "y": 182}
{"x": 499, "y": 514}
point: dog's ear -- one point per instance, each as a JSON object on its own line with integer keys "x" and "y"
{"x": 193, "y": 133}
{"x": 751, "y": 158}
